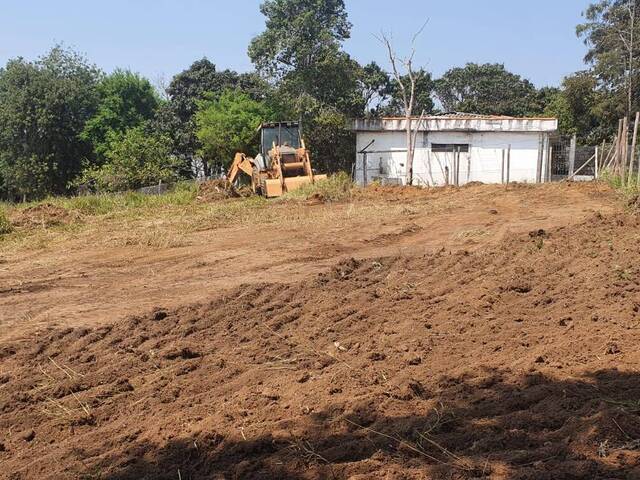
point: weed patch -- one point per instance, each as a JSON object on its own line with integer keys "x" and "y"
{"x": 335, "y": 188}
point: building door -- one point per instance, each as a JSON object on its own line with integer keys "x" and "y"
{"x": 451, "y": 163}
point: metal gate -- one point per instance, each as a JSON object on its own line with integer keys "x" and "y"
{"x": 561, "y": 151}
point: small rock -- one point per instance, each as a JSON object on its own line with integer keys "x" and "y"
{"x": 304, "y": 378}
{"x": 493, "y": 211}
{"x": 415, "y": 361}
{"x": 417, "y": 389}
{"x": 2, "y": 447}
{"x": 562, "y": 322}
{"x": 613, "y": 349}
{"x": 540, "y": 233}
{"x": 160, "y": 315}
{"x": 377, "y": 356}
{"x": 28, "y": 435}
{"x": 339, "y": 346}
{"x": 540, "y": 359}
{"x": 271, "y": 395}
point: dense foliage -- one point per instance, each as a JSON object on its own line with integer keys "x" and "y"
{"x": 44, "y": 107}
{"x": 134, "y": 159}
{"x": 66, "y": 125}
{"x": 126, "y": 100}
{"x": 228, "y": 124}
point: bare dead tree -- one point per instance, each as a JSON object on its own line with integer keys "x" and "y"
{"x": 627, "y": 36}
{"x": 407, "y": 93}
{"x": 628, "y": 40}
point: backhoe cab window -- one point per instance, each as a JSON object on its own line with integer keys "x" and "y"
{"x": 281, "y": 135}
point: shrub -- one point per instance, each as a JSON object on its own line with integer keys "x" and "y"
{"x": 335, "y": 188}
{"x": 134, "y": 159}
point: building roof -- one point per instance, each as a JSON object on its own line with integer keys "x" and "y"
{"x": 459, "y": 122}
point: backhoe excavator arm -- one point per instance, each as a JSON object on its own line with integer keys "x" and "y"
{"x": 241, "y": 163}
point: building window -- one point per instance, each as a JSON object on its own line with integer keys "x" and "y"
{"x": 449, "y": 147}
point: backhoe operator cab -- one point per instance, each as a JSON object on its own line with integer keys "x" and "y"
{"x": 282, "y": 165}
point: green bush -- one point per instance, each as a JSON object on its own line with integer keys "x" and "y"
{"x": 134, "y": 159}
{"x": 335, "y": 188}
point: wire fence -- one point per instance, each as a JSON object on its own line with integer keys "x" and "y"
{"x": 561, "y": 151}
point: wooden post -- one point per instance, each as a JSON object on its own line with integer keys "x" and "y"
{"x": 502, "y": 170}
{"x": 633, "y": 147}
{"x": 595, "y": 170}
{"x": 508, "y": 162}
{"x": 582, "y": 166}
{"x": 625, "y": 150}
{"x": 540, "y": 156}
{"x": 364, "y": 169}
{"x": 457, "y": 174}
{"x": 616, "y": 157}
{"x": 572, "y": 155}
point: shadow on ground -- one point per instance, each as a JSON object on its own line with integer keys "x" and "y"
{"x": 497, "y": 426}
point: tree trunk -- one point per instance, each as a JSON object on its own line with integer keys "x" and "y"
{"x": 409, "y": 150}
{"x": 632, "y": 21}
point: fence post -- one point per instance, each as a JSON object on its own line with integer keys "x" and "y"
{"x": 572, "y": 155}
{"x": 540, "y": 155}
{"x": 364, "y": 169}
{"x": 502, "y": 177}
{"x": 508, "y": 162}
{"x": 457, "y": 166}
{"x": 633, "y": 147}
{"x": 595, "y": 172}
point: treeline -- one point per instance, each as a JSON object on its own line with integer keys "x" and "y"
{"x": 66, "y": 125}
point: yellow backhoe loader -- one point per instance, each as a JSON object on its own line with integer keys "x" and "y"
{"x": 283, "y": 164}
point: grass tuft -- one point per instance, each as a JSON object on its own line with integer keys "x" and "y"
{"x": 5, "y": 224}
{"x": 335, "y": 188}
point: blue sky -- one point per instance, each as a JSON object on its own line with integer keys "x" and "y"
{"x": 159, "y": 38}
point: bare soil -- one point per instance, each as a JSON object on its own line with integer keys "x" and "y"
{"x": 484, "y": 333}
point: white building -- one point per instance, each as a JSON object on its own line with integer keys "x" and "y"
{"x": 455, "y": 149}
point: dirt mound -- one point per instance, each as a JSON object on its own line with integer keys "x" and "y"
{"x": 394, "y": 192}
{"x": 215, "y": 190}
{"x": 517, "y": 361}
{"x": 43, "y": 215}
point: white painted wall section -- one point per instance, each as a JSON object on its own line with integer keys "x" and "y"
{"x": 386, "y": 157}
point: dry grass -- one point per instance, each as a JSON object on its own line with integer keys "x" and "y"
{"x": 173, "y": 219}
{"x": 335, "y": 188}
{"x": 178, "y": 219}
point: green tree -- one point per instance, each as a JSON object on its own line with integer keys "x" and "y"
{"x": 487, "y": 89}
{"x": 134, "y": 159}
{"x": 331, "y": 141}
{"x": 126, "y": 100}
{"x": 423, "y": 101}
{"x": 611, "y": 32}
{"x": 375, "y": 87}
{"x": 300, "y": 50}
{"x": 228, "y": 124}
{"x": 580, "y": 108}
{"x": 201, "y": 80}
{"x": 299, "y": 34}
{"x": 44, "y": 106}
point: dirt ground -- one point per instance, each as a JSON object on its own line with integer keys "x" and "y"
{"x": 452, "y": 334}
{"x": 108, "y": 274}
